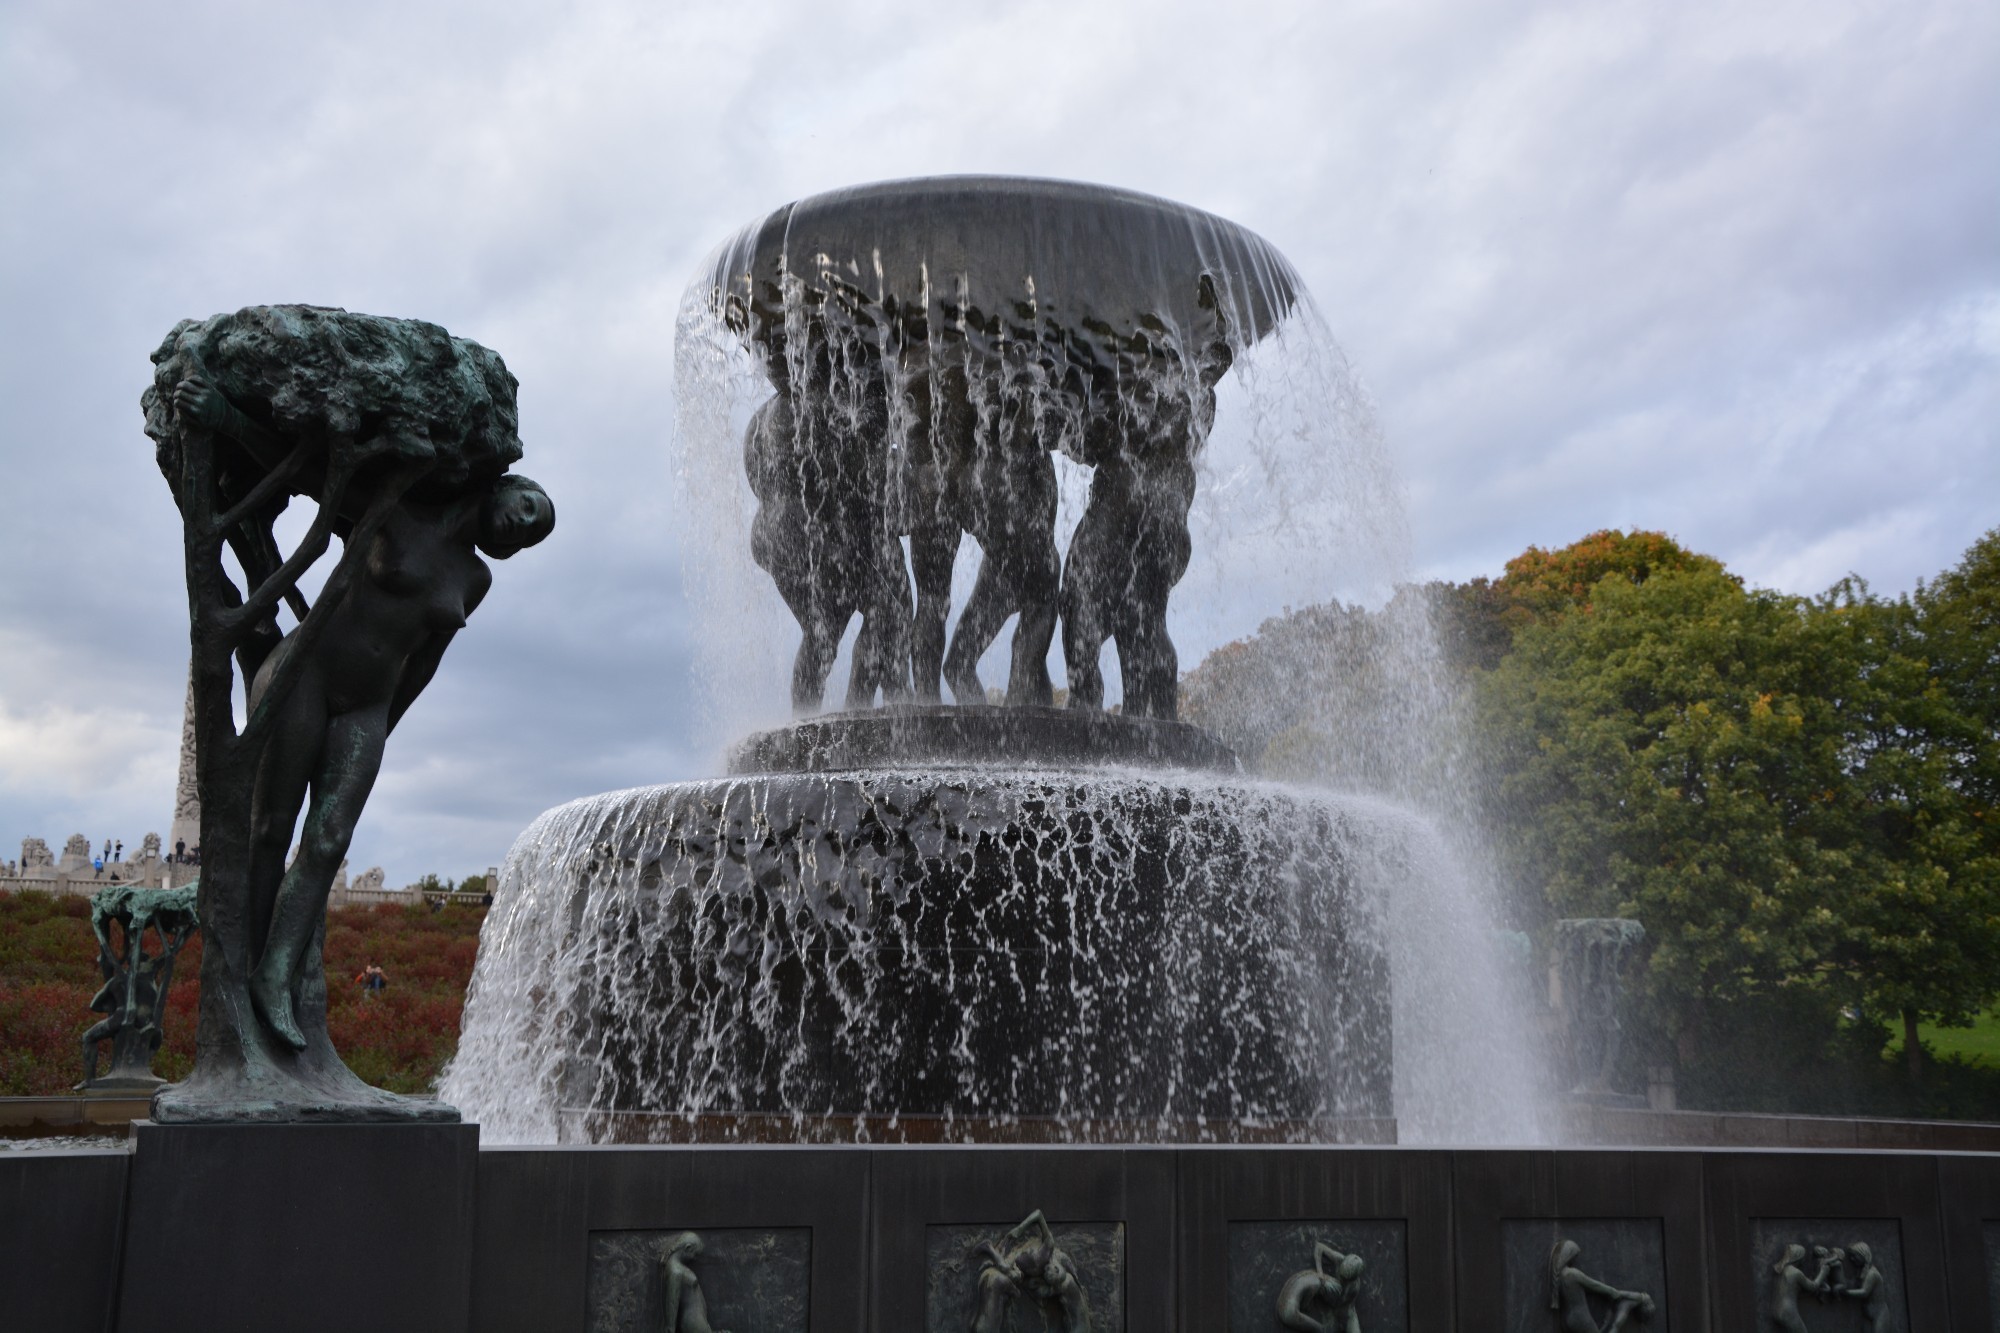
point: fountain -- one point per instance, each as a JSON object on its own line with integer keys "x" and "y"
{"x": 977, "y": 921}
{"x": 977, "y": 1015}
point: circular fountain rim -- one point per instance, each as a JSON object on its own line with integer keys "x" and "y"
{"x": 901, "y": 736}
{"x": 922, "y": 211}
{"x": 983, "y": 182}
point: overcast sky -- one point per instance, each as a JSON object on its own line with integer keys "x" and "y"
{"x": 1730, "y": 271}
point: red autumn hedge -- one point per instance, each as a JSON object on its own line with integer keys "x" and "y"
{"x": 396, "y": 1038}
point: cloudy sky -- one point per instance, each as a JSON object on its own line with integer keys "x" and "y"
{"x": 1731, "y": 271}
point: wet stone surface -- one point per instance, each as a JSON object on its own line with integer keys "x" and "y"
{"x": 1263, "y": 1256}
{"x": 1006, "y": 944}
{"x": 66, "y": 1143}
{"x": 753, "y": 1280}
{"x": 979, "y": 735}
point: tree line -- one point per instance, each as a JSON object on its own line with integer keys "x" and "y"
{"x": 1796, "y": 795}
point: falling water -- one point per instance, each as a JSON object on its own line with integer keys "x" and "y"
{"x": 1296, "y": 501}
{"x": 702, "y": 950}
{"x": 832, "y": 949}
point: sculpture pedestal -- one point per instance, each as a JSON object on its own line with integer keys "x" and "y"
{"x": 979, "y": 735}
{"x": 299, "y": 1227}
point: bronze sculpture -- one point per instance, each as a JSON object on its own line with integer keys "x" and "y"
{"x": 1004, "y": 495}
{"x": 1871, "y": 1289}
{"x": 1131, "y": 546}
{"x": 1323, "y": 1300}
{"x": 1570, "y": 1290}
{"x": 823, "y": 534}
{"x": 1593, "y": 953}
{"x": 1036, "y": 1270}
{"x": 958, "y": 332}
{"x": 133, "y": 999}
{"x": 687, "y": 1308}
{"x": 421, "y": 579}
{"x": 401, "y": 436}
{"x": 1791, "y": 1280}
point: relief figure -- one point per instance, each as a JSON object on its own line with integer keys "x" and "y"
{"x": 1570, "y": 1290}
{"x": 1322, "y": 1299}
{"x": 687, "y": 1308}
{"x": 1035, "y": 1269}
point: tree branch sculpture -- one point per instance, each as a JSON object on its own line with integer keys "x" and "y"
{"x": 401, "y": 436}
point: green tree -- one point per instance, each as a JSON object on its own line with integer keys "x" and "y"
{"x": 1923, "y": 940}
{"x": 1298, "y": 669}
{"x": 1797, "y": 796}
{"x": 1662, "y": 757}
{"x": 1957, "y": 621}
{"x": 1773, "y": 785}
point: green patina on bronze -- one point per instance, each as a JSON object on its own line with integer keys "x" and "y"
{"x": 133, "y": 999}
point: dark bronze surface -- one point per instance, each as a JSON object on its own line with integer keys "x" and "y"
{"x": 401, "y": 437}
{"x": 930, "y": 344}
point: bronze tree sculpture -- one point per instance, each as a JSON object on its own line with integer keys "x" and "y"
{"x": 401, "y": 436}
{"x": 133, "y": 999}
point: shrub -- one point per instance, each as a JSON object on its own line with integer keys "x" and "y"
{"x": 398, "y": 1038}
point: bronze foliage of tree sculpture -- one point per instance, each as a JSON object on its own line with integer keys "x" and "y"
{"x": 401, "y": 436}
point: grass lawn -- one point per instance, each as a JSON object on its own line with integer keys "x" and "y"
{"x": 1979, "y": 1044}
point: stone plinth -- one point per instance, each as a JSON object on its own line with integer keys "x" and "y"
{"x": 396, "y": 1229}
{"x": 921, "y": 736}
{"x": 299, "y": 1227}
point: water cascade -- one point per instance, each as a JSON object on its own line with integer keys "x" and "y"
{"x": 977, "y": 920}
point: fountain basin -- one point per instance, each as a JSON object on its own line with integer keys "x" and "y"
{"x": 949, "y": 955}
{"x": 1078, "y": 271}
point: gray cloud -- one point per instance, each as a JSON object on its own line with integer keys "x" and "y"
{"x": 1728, "y": 271}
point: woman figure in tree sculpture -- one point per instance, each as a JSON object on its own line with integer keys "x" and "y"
{"x": 422, "y": 577}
